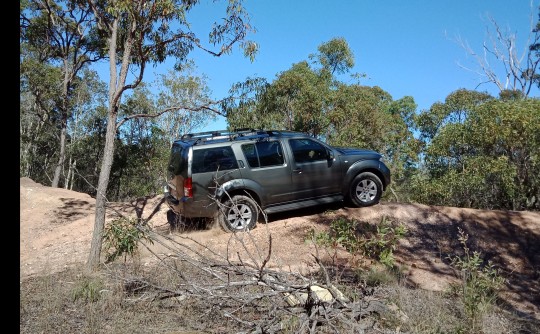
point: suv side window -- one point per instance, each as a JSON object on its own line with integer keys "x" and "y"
{"x": 213, "y": 159}
{"x": 307, "y": 150}
{"x": 263, "y": 154}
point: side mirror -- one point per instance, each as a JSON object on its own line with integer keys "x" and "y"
{"x": 330, "y": 154}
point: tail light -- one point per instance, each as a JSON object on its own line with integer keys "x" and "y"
{"x": 188, "y": 187}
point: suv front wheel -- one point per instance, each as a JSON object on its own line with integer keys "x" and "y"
{"x": 366, "y": 189}
{"x": 238, "y": 213}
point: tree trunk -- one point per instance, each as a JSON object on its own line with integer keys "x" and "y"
{"x": 71, "y": 178}
{"x": 101, "y": 199}
{"x": 108, "y": 152}
{"x": 68, "y": 183}
{"x": 63, "y": 124}
{"x": 61, "y": 158}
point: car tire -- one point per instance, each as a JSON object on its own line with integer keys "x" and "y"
{"x": 366, "y": 190}
{"x": 239, "y": 213}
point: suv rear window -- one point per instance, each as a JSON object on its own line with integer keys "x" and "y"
{"x": 263, "y": 154}
{"x": 176, "y": 162}
{"x": 213, "y": 159}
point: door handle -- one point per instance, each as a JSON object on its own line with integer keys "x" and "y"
{"x": 297, "y": 171}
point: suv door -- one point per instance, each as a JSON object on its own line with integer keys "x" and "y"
{"x": 268, "y": 170}
{"x": 313, "y": 173}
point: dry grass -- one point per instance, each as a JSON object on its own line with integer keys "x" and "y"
{"x": 435, "y": 312}
{"x": 131, "y": 298}
{"x": 48, "y": 306}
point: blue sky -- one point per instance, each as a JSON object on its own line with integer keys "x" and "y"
{"x": 404, "y": 47}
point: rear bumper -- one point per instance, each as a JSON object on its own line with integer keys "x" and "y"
{"x": 189, "y": 208}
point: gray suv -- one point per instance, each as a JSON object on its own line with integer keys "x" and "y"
{"x": 232, "y": 176}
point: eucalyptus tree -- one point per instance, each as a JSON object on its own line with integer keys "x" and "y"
{"x": 299, "y": 98}
{"x": 38, "y": 100}
{"x": 368, "y": 117}
{"x": 481, "y": 152}
{"x": 441, "y": 129}
{"x": 358, "y": 116}
{"x": 334, "y": 56}
{"x": 506, "y": 133}
{"x": 143, "y": 32}
{"x": 143, "y": 144}
{"x": 40, "y": 122}
{"x": 295, "y": 100}
{"x": 89, "y": 99}
{"x": 242, "y": 108}
{"x": 183, "y": 88}
{"x": 58, "y": 33}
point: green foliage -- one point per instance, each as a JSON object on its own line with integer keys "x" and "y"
{"x": 480, "y": 152}
{"x": 469, "y": 187}
{"x": 335, "y": 56}
{"x": 479, "y": 283}
{"x": 87, "y": 289}
{"x": 122, "y": 236}
{"x": 179, "y": 92}
{"x": 363, "y": 239}
{"x": 358, "y": 116}
{"x": 57, "y": 44}
{"x": 368, "y": 117}
{"x": 142, "y": 144}
{"x": 298, "y": 99}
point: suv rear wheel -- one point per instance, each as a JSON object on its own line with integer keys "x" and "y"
{"x": 238, "y": 213}
{"x": 366, "y": 189}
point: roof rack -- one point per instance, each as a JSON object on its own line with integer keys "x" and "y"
{"x": 220, "y": 134}
{"x": 236, "y": 134}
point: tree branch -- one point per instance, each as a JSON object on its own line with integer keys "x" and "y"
{"x": 167, "y": 110}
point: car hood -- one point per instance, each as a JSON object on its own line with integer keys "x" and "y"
{"x": 357, "y": 151}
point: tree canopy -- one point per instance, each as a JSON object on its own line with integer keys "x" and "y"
{"x": 481, "y": 152}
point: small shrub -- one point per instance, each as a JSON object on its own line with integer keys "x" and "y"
{"x": 88, "y": 289}
{"x": 121, "y": 237}
{"x": 479, "y": 283}
{"x": 377, "y": 242}
{"x": 383, "y": 242}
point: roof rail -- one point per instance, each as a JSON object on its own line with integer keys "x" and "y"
{"x": 220, "y": 134}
